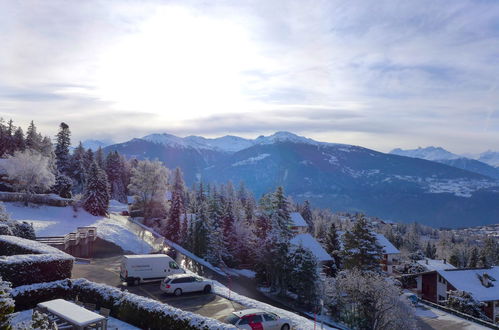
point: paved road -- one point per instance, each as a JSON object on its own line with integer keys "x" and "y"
{"x": 106, "y": 271}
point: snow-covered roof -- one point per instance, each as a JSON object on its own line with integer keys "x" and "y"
{"x": 309, "y": 242}
{"x": 388, "y": 247}
{"x": 297, "y": 220}
{"x": 435, "y": 264}
{"x": 468, "y": 280}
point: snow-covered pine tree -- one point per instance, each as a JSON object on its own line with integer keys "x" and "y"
{"x": 430, "y": 250}
{"x": 360, "y": 248}
{"x": 18, "y": 138}
{"x": 62, "y": 148}
{"x": 201, "y": 230}
{"x": 33, "y": 139}
{"x": 99, "y": 158}
{"x": 115, "y": 175}
{"x": 77, "y": 168}
{"x": 332, "y": 246}
{"x": 306, "y": 213}
{"x": 88, "y": 159}
{"x": 63, "y": 186}
{"x": 473, "y": 260}
{"x": 304, "y": 276}
{"x": 172, "y": 227}
{"x": 96, "y": 192}
{"x": 229, "y": 235}
{"x": 216, "y": 248}
{"x": 6, "y": 305}
{"x": 23, "y": 230}
{"x": 465, "y": 303}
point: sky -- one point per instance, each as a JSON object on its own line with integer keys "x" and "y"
{"x": 380, "y": 74}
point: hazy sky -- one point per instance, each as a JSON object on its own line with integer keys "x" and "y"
{"x": 380, "y": 74}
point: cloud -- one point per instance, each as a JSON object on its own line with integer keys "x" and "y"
{"x": 382, "y": 74}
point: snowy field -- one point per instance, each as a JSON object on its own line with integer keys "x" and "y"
{"x": 59, "y": 221}
{"x": 25, "y": 316}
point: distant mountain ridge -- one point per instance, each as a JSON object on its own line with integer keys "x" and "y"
{"x": 337, "y": 176}
{"x": 443, "y": 156}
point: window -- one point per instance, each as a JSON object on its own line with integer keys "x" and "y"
{"x": 270, "y": 317}
{"x": 173, "y": 265}
{"x": 256, "y": 319}
{"x": 198, "y": 279}
{"x": 244, "y": 320}
{"x": 181, "y": 280}
{"x": 232, "y": 319}
{"x": 441, "y": 298}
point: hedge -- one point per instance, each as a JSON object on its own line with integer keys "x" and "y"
{"x": 139, "y": 311}
{"x": 25, "y": 262}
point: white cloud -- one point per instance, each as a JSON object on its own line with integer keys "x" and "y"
{"x": 384, "y": 73}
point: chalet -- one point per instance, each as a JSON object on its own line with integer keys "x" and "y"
{"x": 481, "y": 283}
{"x": 298, "y": 224}
{"x": 391, "y": 254}
{"x": 309, "y": 242}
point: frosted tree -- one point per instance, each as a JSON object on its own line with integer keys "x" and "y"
{"x": 30, "y": 172}
{"x": 6, "y": 305}
{"x": 96, "y": 192}
{"x": 63, "y": 186}
{"x": 360, "y": 248}
{"x": 465, "y": 303}
{"x": 473, "y": 260}
{"x": 149, "y": 183}
{"x": 216, "y": 248}
{"x": 304, "y": 275}
{"x": 18, "y": 139}
{"x": 77, "y": 168}
{"x": 367, "y": 300}
{"x": 99, "y": 158}
{"x": 200, "y": 230}
{"x": 62, "y": 148}
{"x": 306, "y": 213}
{"x": 33, "y": 138}
{"x": 115, "y": 173}
{"x": 332, "y": 246}
{"x": 172, "y": 227}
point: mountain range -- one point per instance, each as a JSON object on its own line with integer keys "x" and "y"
{"x": 336, "y": 176}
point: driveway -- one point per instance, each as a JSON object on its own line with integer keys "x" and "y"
{"x": 432, "y": 318}
{"x": 106, "y": 271}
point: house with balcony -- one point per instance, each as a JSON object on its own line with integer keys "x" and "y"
{"x": 390, "y": 256}
{"x": 481, "y": 283}
{"x": 298, "y": 224}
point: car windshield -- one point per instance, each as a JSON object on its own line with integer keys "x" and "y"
{"x": 232, "y": 319}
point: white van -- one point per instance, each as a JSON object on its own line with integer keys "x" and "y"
{"x": 147, "y": 267}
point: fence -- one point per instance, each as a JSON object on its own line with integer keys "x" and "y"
{"x": 459, "y": 314}
{"x": 78, "y": 244}
{"x": 50, "y": 200}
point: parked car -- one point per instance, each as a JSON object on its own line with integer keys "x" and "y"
{"x": 181, "y": 283}
{"x": 252, "y": 319}
{"x": 147, "y": 267}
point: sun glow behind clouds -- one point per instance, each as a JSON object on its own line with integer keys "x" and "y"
{"x": 179, "y": 63}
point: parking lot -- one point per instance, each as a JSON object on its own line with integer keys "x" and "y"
{"x": 106, "y": 271}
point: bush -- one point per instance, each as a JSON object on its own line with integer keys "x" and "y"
{"x": 28, "y": 262}
{"x": 141, "y": 312}
{"x": 24, "y": 230}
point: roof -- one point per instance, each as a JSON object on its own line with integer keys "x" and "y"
{"x": 249, "y": 311}
{"x": 297, "y": 220}
{"x": 435, "y": 264}
{"x": 388, "y": 247}
{"x": 309, "y": 242}
{"x": 148, "y": 256}
{"x": 468, "y": 280}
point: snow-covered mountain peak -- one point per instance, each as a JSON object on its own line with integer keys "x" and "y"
{"x": 165, "y": 139}
{"x": 283, "y": 136}
{"x": 428, "y": 153}
{"x": 490, "y": 157}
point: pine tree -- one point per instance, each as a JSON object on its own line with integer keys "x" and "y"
{"x": 332, "y": 246}
{"x": 454, "y": 259}
{"x": 3, "y": 137}
{"x": 63, "y": 186}
{"x": 9, "y": 138}
{"x": 201, "y": 229}
{"x": 361, "y": 250}
{"x": 62, "y": 148}
{"x": 96, "y": 193}
{"x": 172, "y": 228}
{"x": 99, "y": 158}
{"x": 304, "y": 276}
{"x": 115, "y": 171}
{"x": 6, "y": 305}
{"x": 33, "y": 139}
{"x": 306, "y": 213}
{"x": 430, "y": 250}
{"x": 473, "y": 260}
{"x": 19, "y": 142}
{"x": 77, "y": 168}
{"x": 215, "y": 248}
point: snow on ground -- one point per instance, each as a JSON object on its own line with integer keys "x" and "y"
{"x": 25, "y": 316}
{"x": 439, "y": 319}
{"x": 240, "y": 272}
{"x": 59, "y": 221}
{"x": 299, "y": 322}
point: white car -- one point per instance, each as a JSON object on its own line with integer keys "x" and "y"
{"x": 252, "y": 319}
{"x": 180, "y": 283}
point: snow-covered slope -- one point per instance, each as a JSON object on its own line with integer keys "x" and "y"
{"x": 428, "y": 153}
{"x": 490, "y": 157}
{"x": 94, "y": 144}
{"x": 59, "y": 221}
